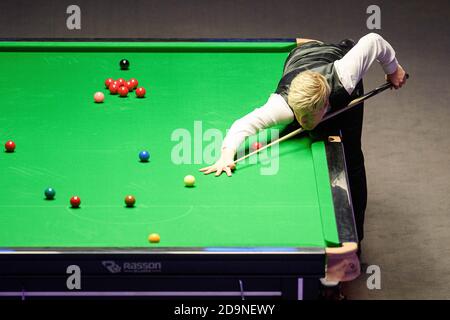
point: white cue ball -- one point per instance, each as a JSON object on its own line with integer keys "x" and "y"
{"x": 189, "y": 181}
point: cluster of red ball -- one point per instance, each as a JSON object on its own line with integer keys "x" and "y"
{"x": 123, "y": 87}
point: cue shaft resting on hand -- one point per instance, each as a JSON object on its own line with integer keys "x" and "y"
{"x": 353, "y": 103}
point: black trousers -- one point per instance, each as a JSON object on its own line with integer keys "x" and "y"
{"x": 349, "y": 126}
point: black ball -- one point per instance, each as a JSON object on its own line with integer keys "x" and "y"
{"x": 124, "y": 64}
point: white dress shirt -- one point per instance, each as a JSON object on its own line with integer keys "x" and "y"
{"x": 350, "y": 69}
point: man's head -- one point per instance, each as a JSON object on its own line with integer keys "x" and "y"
{"x": 308, "y": 97}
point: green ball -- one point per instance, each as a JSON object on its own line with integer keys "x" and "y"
{"x": 50, "y": 193}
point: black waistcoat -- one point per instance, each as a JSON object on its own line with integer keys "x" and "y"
{"x": 318, "y": 57}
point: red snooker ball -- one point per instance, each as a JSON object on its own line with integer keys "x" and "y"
{"x": 113, "y": 88}
{"x": 123, "y": 91}
{"x": 134, "y": 82}
{"x": 257, "y": 146}
{"x": 108, "y": 82}
{"x": 121, "y": 81}
{"x": 10, "y": 146}
{"x": 129, "y": 85}
{"x": 75, "y": 201}
{"x": 140, "y": 92}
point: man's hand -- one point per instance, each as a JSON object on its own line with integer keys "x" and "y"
{"x": 398, "y": 78}
{"x": 301, "y": 41}
{"x": 225, "y": 163}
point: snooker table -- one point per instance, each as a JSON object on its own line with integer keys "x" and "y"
{"x": 266, "y": 232}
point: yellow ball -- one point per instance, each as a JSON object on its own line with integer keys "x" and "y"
{"x": 154, "y": 238}
{"x": 189, "y": 181}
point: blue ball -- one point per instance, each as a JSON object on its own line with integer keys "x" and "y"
{"x": 144, "y": 156}
{"x": 50, "y": 193}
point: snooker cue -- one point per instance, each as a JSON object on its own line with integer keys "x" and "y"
{"x": 353, "y": 103}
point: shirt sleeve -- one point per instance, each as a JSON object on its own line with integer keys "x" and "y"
{"x": 354, "y": 65}
{"x": 275, "y": 111}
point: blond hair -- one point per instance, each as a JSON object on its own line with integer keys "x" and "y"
{"x": 308, "y": 93}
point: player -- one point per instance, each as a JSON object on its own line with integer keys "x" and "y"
{"x": 320, "y": 78}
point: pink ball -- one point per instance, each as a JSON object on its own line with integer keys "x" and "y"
{"x": 99, "y": 97}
